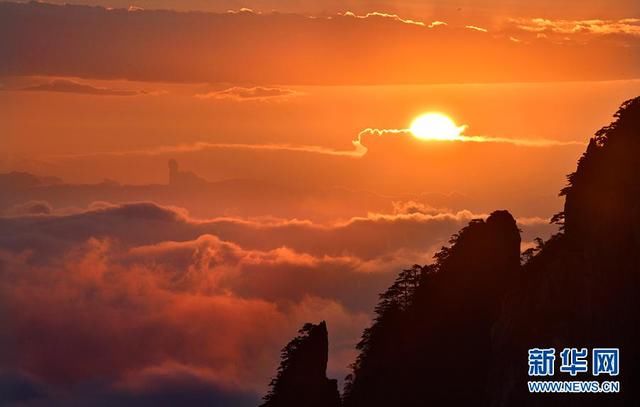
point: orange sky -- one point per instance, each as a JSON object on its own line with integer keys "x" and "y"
{"x": 345, "y": 48}
{"x": 130, "y": 138}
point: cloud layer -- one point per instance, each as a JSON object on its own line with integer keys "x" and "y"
{"x": 292, "y": 49}
{"x": 147, "y": 303}
{"x": 358, "y": 142}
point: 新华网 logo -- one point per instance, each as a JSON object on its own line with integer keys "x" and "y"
{"x": 574, "y": 361}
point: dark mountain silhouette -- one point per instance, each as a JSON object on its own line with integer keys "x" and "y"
{"x": 457, "y": 332}
{"x": 426, "y": 340}
{"x": 581, "y": 288}
{"x": 302, "y": 378}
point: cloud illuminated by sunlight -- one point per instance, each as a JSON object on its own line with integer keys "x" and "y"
{"x": 257, "y": 93}
{"x": 430, "y": 127}
{"x": 378, "y": 14}
{"x": 627, "y": 26}
{"x": 438, "y": 127}
{"x": 437, "y": 24}
{"x": 476, "y": 28}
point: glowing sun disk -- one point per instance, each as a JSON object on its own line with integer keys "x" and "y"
{"x": 435, "y": 126}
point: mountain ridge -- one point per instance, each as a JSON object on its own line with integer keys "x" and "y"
{"x": 458, "y": 330}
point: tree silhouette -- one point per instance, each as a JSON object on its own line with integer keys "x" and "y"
{"x": 429, "y": 313}
{"x": 301, "y": 377}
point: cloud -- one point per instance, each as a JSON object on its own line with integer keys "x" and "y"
{"x": 393, "y": 17}
{"x": 449, "y": 7}
{"x": 272, "y": 260}
{"x": 70, "y": 86}
{"x": 522, "y": 142}
{"x": 359, "y": 147}
{"x": 258, "y": 93}
{"x": 279, "y": 275}
{"x": 145, "y": 331}
{"x": 243, "y": 10}
{"x": 476, "y": 28}
{"x": 167, "y": 305}
{"x": 30, "y": 208}
{"x": 437, "y": 24}
{"x": 293, "y": 49}
{"x": 411, "y": 207}
{"x": 358, "y": 151}
{"x": 412, "y": 227}
{"x": 143, "y": 224}
{"x": 17, "y": 387}
{"x": 358, "y": 142}
{"x": 626, "y": 26}
{"x": 173, "y": 383}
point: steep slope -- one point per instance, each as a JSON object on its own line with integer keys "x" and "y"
{"x": 581, "y": 289}
{"x": 301, "y": 378}
{"x": 424, "y": 343}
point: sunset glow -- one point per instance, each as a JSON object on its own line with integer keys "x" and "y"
{"x": 435, "y": 126}
{"x": 314, "y": 203}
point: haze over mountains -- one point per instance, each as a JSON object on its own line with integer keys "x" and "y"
{"x": 231, "y": 197}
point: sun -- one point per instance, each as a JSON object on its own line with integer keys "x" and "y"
{"x": 435, "y": 126}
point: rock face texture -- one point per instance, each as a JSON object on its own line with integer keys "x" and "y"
{"x": 302, "y": 379}
{"x": 458, "y": 331}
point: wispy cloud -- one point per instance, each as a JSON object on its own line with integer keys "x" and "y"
{"x": 243, "y": 10}
{"x": 377, "y": 14}
{"x": 521, "y": 141}
{"x": 357, "y": 152}
{"x": 257, "y": 93}
{"x": 71, "y": 86}
{"x": 628, "y": 26}
{"x": 359, "y": 141}
{"x": 359, "y": 148}
{"x": 437, "y": 24}
{"x": 476, "y": 28}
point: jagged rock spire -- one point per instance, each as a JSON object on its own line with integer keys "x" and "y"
{"x": 302, "y": 378}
